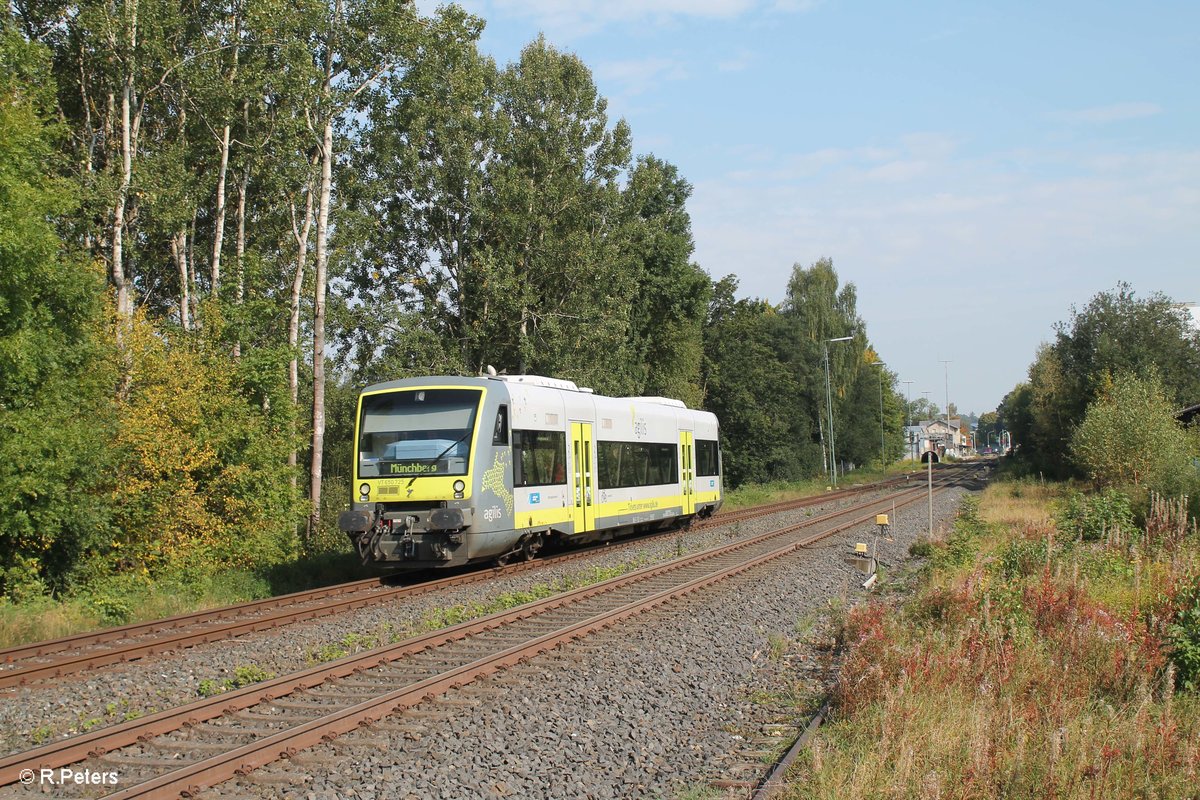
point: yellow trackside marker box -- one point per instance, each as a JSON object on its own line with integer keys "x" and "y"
{"x": 861, "y": 548}
{"x": 881, "y": 519}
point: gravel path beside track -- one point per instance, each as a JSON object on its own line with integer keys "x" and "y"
{"x": 663, "y": 704}
{"x": 32, "y": 715}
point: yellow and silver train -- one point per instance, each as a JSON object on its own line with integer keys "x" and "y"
{"x": 453, "y": 470}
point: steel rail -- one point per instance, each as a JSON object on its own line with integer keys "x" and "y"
{"x": 202, "y": 627}
{"x": 101, "y": 741}
{"x": 189, "y": 780}
{"x": 193, "y": 778}
{"x": 773, "y": 782}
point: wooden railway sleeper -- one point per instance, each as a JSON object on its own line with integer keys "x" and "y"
{"x": 283, "y": 717}
{"x": 199, "y": 746}
{"x": 305, "y": 703}
{"x": 255, "y": 732}
{"x": 149, "y": 762}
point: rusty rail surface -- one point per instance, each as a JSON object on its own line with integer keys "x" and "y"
{"x": 570, "y": 615}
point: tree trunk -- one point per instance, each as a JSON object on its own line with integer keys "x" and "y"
{"x": 119, "y": 277}
{"x": 318, "y": 418}
{"x": 240, "y": 251}
{"x": 193, "y": 294}
{"x": 179, "y": 253}
{"x": 222, "y": 173}
{"x": 219, "y": 230}
{"x": 301, "y": 235}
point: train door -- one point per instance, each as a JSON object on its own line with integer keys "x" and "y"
{"x": 687, "y": 470}
{"x": 584, "y": 515}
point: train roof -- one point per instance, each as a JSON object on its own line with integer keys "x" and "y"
{"x": 540, "y": 381}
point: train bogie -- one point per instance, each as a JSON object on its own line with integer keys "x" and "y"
{"x": 454, "y": 470}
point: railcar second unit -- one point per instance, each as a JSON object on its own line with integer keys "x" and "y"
{"x": 453, "y": 470}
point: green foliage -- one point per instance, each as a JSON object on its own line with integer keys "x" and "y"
{"x": 200, "y": 478}
{"x": 1094, "y": 516}
{"x": 672, "y": 295}
{"x": 962, "y": 544}
{"x": 242, "y": 676}
{"x": 55, "y": 411}
{"x": 1115, "y": 334}
{"x": 1184, "y": 635}
{"x": 1129, "y": 437}
{"x": 765, "y": 380}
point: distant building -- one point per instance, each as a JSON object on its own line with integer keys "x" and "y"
{"x": 916, "y": 441}
{"x": 944, "y": 436}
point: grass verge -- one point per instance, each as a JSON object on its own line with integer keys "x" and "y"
{"x": 129, "y": 598}
{"x": 1031, "y": 662}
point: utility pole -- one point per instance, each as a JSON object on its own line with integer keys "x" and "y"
{"x": 927, "y": 402}
{"x": 882, "y": 457}
{"x": 907, "y": 406}
{"x": 829, "y": 404}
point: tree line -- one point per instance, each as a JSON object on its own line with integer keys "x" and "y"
{"x": 1101, "y": 397}
{"x": 218, "y": 220}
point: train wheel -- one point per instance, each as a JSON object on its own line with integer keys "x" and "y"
{"x": 530, "y": 546}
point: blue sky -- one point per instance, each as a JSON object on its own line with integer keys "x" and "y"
{"x": 974, "y": 168}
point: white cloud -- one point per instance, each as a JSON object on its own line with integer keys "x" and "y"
{"x": 639, "y": 75}
{"x": 1118, "y": 112}
{"x": 736, "y": 63}
{"x": 1022, "y": 235}
{"x": 573, "y": 18}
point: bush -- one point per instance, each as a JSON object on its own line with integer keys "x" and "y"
{"x": 1093, "y": 517}
{"x": 1184, "y": 636}
{"x": 960, "y": 547}
{"x": 1129, "y": 436}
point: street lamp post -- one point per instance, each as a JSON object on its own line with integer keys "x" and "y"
{"x": 882, "y": 457}
{"x": 829, "y": 407}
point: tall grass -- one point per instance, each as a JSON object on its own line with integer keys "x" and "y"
{"x": 124, "y": 599}
{"x": 1027, "y": 665}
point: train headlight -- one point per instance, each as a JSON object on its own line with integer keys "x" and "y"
{"x": 364, "y": 492}
{"x": 459, "y": 487}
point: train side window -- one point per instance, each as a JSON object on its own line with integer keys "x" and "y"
{"x": 539, "y": 458}
{"x": 500, "y": 433}
{"x": 708, "y": 460}
{"x": 623, "y": 465}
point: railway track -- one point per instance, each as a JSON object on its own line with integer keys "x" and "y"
{"x": 182, "y": 750}
{"x": 59, "y": 658}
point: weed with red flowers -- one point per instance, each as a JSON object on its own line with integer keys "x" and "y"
{"x": 1029, "y": 664}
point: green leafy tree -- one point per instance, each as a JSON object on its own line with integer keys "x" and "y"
{"x": 418, "y": 197}
{"x": 820, "y": 309}
{"x": 1129, "y": 437}
{"x": 557, "y": 289}
{"x": 751, "y": 389}
{"x": 1115, "y": 332}
{"x": 672, "y": 294}
{"x": 198, "y": 482}
{"x": 55, "y": 383}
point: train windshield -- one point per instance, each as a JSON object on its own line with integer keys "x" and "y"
{"x": 415, "y": 432}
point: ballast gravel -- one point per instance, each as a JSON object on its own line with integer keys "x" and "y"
{"x": 664, "y": 705}
{"x": 33, "y": 715}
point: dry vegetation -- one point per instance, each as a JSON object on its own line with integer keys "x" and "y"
{"x": 1037, "y": 659}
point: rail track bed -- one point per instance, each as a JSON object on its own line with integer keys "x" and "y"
{"x": 209, "y": 741}
{"x": 59, "y": 658}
